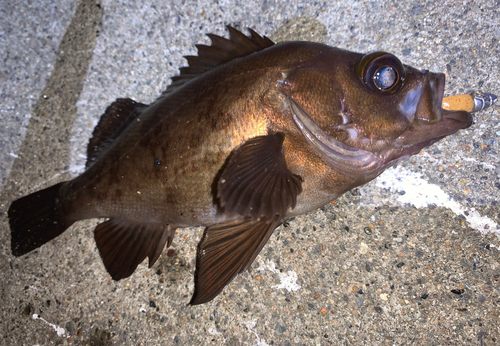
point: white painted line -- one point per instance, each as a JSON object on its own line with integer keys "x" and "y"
{"x": 420, "y": 193}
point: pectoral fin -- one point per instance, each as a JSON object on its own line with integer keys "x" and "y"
{"x": 257, "y": 185}
{"x": 123, "y": 245}
{"x": 226, "y": 250}
{"x": 257, "y": 182}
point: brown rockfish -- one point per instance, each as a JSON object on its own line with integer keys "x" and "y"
{"x": 249, "y": 134}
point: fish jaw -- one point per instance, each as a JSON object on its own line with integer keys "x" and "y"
{"x": 420, "y": 108}
{"x": 344, "y": 158}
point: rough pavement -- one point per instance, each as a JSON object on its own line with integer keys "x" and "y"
{"x": 409, "y": 259}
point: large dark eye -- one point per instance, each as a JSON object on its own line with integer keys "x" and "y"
{"x": 381, "y": 72}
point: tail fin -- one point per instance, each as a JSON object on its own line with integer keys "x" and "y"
{"x": 36, "y": 219}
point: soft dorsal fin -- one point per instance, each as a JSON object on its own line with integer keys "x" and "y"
{"x": 221, "y": 51}
{"x": 115, "y": 119}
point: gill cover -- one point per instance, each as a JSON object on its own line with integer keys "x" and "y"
{"x": 344, "y": 158}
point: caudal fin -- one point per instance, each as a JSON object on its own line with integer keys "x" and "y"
{"x": 36, "y": 219}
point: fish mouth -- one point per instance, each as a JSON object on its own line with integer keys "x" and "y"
{"x": 422, "y": 103}
{"x": 462, "y": 119}
{"x": 429, "y": 129}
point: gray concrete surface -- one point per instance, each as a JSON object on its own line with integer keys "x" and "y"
{"x": 409, "y": 259}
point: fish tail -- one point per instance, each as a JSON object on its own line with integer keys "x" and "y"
{"x": 36, "y": 219}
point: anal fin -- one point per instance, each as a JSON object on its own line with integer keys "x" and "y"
{"x": 124, "y": 245}
{"x": 228, "y": 249}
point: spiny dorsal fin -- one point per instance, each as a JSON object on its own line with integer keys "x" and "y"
{"x": 115, "y": 119}
{"x": 221, "y": 51}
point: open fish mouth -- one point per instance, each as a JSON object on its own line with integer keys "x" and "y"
{"x": 428, "y": 131}
{"x": 422, "y": 106}
{"x": 462, "y": 118}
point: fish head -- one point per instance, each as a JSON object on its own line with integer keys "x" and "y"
{"x": 364, "y": 113}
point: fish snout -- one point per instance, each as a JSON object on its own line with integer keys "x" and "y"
{"x": 429, "y": 106}
{"x": 429, "y": 109}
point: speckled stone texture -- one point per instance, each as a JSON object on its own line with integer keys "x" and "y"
{"x": 409, "y": 259}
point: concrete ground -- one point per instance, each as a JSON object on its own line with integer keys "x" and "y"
{"x": 409, "y": 259}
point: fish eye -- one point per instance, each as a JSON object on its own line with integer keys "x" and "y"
{"x": 381, "y": 72}
{"x": 385, "y": 77}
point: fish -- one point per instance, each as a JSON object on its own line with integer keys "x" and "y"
{"x": 248, "y": 135}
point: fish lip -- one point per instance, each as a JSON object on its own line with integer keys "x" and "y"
{"x": 462, "y": 117}
{"x": 441, "y": 82}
